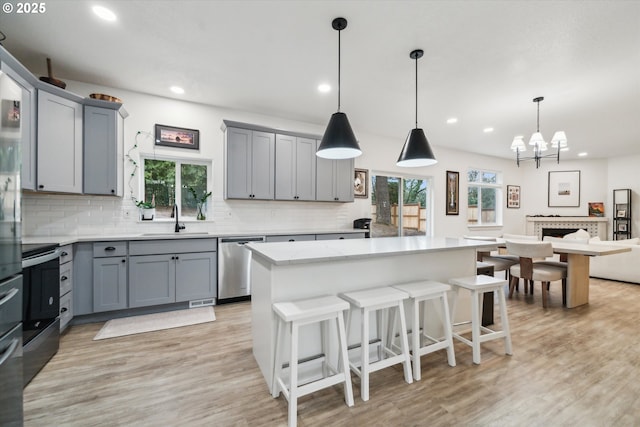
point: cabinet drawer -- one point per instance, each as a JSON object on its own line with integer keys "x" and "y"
{"x": 66, "y": 310}
{"x": 66, "y": 253}
{"x": 291, "y": 238}
{"x": 66, "y": 278}
{"x": 176, "y": 246}
{"x": 107, "y": 249}
{"x": 339, "y": 236}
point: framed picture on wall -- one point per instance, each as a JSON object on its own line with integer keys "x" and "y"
{"x": 564, "y": 189}
{"x": 170, "y": 136}
{"x": 361, "y": 183}
{"x": 513, "y": 196}
{"x": 453, "y": 186}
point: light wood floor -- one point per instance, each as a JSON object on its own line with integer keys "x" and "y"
{"x": 569, "y": 367}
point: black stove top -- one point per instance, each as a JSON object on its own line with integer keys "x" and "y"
{"x": 33, "y": 249}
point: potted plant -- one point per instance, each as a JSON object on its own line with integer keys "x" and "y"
{"x": 147, "y": 209}
{"x": 200, "y": 203}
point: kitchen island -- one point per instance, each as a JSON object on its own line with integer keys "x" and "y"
{"x": 289, "y": 271}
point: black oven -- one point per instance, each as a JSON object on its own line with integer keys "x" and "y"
{"x": 40, "y": 306}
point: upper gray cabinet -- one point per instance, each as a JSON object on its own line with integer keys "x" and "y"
{"x": 250, "y": 164}
{"x": 103, "y": 150}
{"x": 295, "y": 168}
{"x": 59, "y": 146}
{"x": 334, "y": 180}
{"x": 264, "y": 163}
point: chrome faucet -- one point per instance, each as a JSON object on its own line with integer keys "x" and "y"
{"x": 178, "y": 226}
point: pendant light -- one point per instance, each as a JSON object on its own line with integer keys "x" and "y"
{"x": 339, "y": 141}
{"x": 416, "y": 151}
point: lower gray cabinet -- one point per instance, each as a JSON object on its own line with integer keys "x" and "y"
{"x": 196, "y": 275}
{"x": 152, "y": 280}
{"x": 167, "y": 271}
{"x": 109, "y": 283}
{"x": 109, "y": 276}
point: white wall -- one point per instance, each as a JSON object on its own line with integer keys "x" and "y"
{"x": 87, "y": 215}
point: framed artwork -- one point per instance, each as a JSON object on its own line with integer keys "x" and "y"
{"x": 513, "y": 196}
{"x": 361, "y": 183}
{"x": 453, "y": 186}
{"x": 170, "y": 136}
{"x": 596, "y": 209}
{"x": 10, "y": 113}
{"x": 622, "y": 227}
{"x": 564, "y": 189}
{"x": 622, "y": 213}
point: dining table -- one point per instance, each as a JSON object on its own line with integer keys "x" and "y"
{"x": 578, "y": 256}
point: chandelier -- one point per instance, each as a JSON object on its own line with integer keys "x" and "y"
{"x": 540, "y": 146}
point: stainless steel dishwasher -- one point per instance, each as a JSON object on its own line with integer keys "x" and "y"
{"x": 233, "y": 268}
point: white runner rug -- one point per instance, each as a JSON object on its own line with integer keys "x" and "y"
{"x": 155, "y": 322}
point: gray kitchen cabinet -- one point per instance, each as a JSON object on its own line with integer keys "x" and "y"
{"x": 109, "y": 276}
{"x": 295, "y": 168}
{"x": 152, "y": 280}
{"x": 290, "y": 238}
{"x": 28, "y": 109}
{"x": 66, "y": 285}
{"x": 249, "y": 164}
{"x": 167, "y": 271}
{"x": 103, "y": 149}
{"x": 59, "y": 146}
{"x": 82, "y": 278}
{"x": 334, "y": 180}
{"x": 196, "y": 275}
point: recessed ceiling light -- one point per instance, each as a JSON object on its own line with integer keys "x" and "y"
{"x": 324, "y": 88}
{"x": 487, "y": 130}
{"x": 452, "y": 120}
{"x": 566, "y": 149}
{"x": 104, "y": 13}
{"x": 582, "y": 154}
{"x": 177, "y": 89}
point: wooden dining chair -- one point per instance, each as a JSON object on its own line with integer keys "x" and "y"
{"x": 536, "y": 271}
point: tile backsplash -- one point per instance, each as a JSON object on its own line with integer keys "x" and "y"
{"x": 81, "y": 215}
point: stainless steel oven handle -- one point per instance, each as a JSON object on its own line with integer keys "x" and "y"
{"x": 30, "y": 262}
{"x": 9, "y": 351}
{"x": 6, "y": 297}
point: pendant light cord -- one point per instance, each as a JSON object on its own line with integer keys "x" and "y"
{"x": 339, "y": 31}
{"x": 538, "y": 121}
{"x": 416, "y": 92}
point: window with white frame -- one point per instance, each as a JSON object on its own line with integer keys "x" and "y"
{"x": 181, "y": 182}
{"x": 484, "y": 197}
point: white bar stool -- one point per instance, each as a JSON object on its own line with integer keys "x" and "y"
{"x": 374, "y": 300}
{"x": 478, "y": 285}
{"x": 294, "y": 314}
{"x": 420, "y": 293}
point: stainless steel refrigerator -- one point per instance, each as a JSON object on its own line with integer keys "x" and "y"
{"x": 12, "y": 102}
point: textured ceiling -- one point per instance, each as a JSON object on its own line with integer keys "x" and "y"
{"x": 484, "y": 62}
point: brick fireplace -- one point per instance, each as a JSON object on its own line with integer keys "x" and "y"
{"x": 595, "y": 226}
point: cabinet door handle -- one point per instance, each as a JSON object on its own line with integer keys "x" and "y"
{"x": 177, "y": 257}
{"x": 109, "y": 248}
{"x": 63, "y": 278}
{"x": 40, "y": 186}
{"x": 113, "y": 191}
{"x": 341, "y": 238}
{"x": 64, "y": 253}
{"x": 292, "y": 240}
{"x": 124, "y": 260}
{"x": 64, "y": 309}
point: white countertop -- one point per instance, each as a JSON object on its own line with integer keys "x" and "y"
{"x": 67, "y": 240}
{"x": 283, "y": 253}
